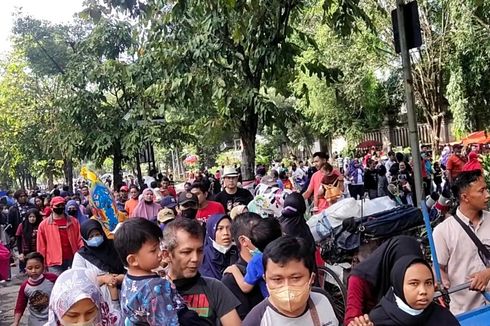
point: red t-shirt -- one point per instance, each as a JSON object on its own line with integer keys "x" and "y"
{"x": 67, "y": 252}
{"x": 360, "y": 298}
{"x": 455, "y": 165}
{"x": 213, "y": 208}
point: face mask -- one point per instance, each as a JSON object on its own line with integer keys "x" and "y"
{"x": 189, "y": 213}
{"x": 255, "y": 252}
{"x": 73, "y": 212}
{"x": 95, "y": 241}
{"x": 290, "y": 297}
{"x": 221, "y": 248}
{"x": 58, "y": 210}
{"x": 91, "y": 322}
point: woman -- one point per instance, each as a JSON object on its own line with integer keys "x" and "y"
{"x": 99, "y": 255}
{"x": 73, "y": 209}
{"x": 147, "y": 208}
{"x": 76, "y": 300}
{"x": 473, "y": 162}
{"x": 409, "y": 300}
{"x": 292, "y": 219}
{"x": 219, "y": 251}
{"x": 356, "y": 178}
{"x": 369, "y": 280}
{"x": 27, "y": 234}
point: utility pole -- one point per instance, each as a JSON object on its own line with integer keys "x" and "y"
{"x": 410, "y": 103}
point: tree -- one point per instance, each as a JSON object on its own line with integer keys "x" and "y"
{"x": 220, "y": 56}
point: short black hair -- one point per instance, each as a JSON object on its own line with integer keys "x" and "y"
{"x": 188, "y": 225}
{"x": 328, "y": 167}
{"x": 242, "y": 225}
{"x": 464, "y": 180}
{"x": 321, "y": 155}
{"x": 132, "y": 234}
{"x": 201, "y": 186}
{"x": 391, "y": 153}
{"x": 400, "y": 157}
{"x": 133, "y": 187}
{"x": 154, "y": 184}
{"x": 19, "y": 193}
{"x": 288, "y": 248}
{"x": 264, "y": 232}
{"x": 35, "y": 256}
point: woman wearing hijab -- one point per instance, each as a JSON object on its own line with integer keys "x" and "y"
{"x": 369, "y": 280}
{"x": 219, "y": 251}
{"x": 147, "y": 208}
{"x": 292, "y": 219}
{"x": 27, "y": 235}
{"x": 408, "y": 302}
{"x": 99, "y": 255}
{"x": 73, "y": 209}
{"x": 76, "y": 300}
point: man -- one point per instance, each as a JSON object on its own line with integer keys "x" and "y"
{"x": 187, "y": 205}
{"x": 288, "y": 269}
{"x": 457, "y": 253}
{"x": 58, "y": 238}
{"x": 17, "y": 212}
{"x": 389, "y": 163}
{"x": 206, "y": 207}
{"x": 85, "y": 195}
{"x": 455, "y": 164}
{"x": 232, "y": 196}
{"x": 241, "y": 230}
{"x": 319, "y": 160}
{"x": 131, "y": 203}
{"x": 123, "y": 198}
{"x": 166, "y": 189}
{"x": 183, "y": 251}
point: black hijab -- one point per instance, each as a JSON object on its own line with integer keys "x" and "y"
{"x": 293, "y": 221}
{"x": 28, "y": 227}
{"x": 387, "y": 312}
{"x": 377, "y": 267}
{"x": 104, "y": 256}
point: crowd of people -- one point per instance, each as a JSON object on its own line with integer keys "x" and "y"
{"x": 206, "y": 255}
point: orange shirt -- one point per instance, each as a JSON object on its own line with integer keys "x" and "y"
{"x": 130, "y": 205}
{"x": 316, "y": 182}
{"x": 455, "y": 165}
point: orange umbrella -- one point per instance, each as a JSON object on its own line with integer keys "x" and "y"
{"x": 478, "y": 137}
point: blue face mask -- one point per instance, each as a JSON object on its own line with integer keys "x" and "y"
{"x": 95, "y": 241}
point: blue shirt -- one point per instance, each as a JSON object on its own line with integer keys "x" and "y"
{"x": 149, "y": 300}
{"x": 255, "y": 273}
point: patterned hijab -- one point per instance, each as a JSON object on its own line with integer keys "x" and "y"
{"x": 74, "y": 285}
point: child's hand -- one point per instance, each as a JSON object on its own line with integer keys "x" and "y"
{"x": 361, "y": 321}
{"x": 21, "y": 257}
{"x": 231, "y": 269}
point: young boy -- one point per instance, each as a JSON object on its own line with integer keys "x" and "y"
{"x": 266, "y": 231}
{"x": 146, "y": 298}
{"x": 36, "y": 291}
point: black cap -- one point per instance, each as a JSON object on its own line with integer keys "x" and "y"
{"x": 187, "y": 197}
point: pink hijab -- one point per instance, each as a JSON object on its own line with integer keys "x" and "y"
{"x": 146, "y": 210}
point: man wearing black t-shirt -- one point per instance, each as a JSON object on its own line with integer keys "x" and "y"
{"x": 232, "y": 196}
{"x": 240, "y": 230}
{"x": 183, "y": 251}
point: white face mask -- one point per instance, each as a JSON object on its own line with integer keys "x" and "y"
{"x": 221, "y": 248}
{"x": 91, "y": 322}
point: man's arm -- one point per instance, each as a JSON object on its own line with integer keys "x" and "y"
{"x": 479, "y": 281}
{"x": 307, "y": 194}
{"x": 231, "y": 319}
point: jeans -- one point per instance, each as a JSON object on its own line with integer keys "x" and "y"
{"x": 58, "y": 269}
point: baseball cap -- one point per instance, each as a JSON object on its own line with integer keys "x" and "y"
{"x": 124, "y": 188}
{"x": 55, "y": 201}
{"x": 187, "y": 197}
{"x": 165, "y": 215}
{"x": 168, "y": 202}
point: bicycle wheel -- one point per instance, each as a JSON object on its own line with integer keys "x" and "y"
{"x": 337, "y": 292}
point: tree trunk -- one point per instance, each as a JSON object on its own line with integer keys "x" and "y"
{"x": 139, "y": 175}
{"x": 49, "y": 174}
{"x": 248, "y": 132}
{"x": 117, "y": 165}
{"x": 68, "y": 170}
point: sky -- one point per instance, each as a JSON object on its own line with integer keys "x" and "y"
{"x": 56, "y": 11}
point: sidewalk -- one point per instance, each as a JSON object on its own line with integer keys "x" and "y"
{"x": 8, "y": 297}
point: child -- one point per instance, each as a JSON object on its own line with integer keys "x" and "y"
{"x": 146, "y": 298}
{"x": 27, "y": 234}
{"x": 36, "y": 291}
{"x": 266, "y": 231}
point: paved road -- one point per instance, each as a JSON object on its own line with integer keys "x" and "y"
{"x": 8, "y": 296}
